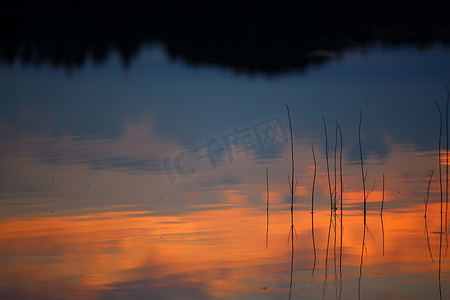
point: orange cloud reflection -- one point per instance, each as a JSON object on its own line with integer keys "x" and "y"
{"x": 223, "y": 250}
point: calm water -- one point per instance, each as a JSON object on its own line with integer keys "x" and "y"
{"x": 150, "y": 182}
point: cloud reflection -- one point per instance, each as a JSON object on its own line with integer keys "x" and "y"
{"x": 207, "y": 254}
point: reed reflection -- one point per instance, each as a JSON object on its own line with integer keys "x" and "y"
{"x": 312, "y": 210}
{"x": 425, "y": 215}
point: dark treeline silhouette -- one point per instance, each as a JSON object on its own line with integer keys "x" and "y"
{"x": 263, "y": 36}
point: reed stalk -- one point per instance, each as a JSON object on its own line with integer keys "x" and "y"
{"x": 312, "y": 207}
{"x": 441, "y": 194}
{"x": 446, "y": 160}
{"x": 425, "y": 215}
{"x": 328, "y": 166}
{"x": 446, "y": 172}
{"x": 335, "y": 162}
{"x": 382, "y": 199}
{"x": 364, "y": 198}
{"x": 314, "y": 178}
{"x": 362, "y": 162}
{"x": 292, "y": 189}
{"x": 428, "y": 193}
{"x": 341, "y": 199}
{"x": 267, "y": 208}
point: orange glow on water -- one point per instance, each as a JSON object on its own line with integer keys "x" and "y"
{"x": 219, "y": 248}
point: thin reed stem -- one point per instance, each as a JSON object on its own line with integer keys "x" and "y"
{"x": 292, "y": 188}
{"x": 425, "y": 215}
{"x": 440, "y": 188}
{"x": 314, "y": 178}
{"x": 292, "y": 165}
{"x": 428, "y": 192}
{"x": 440, "y": 263}
{"x": 335, "y": 162}
{"x": 334, "y": 245}
{"x": 428, "y": 238}
{"x": 362, "y": 258}
{"x": 326, "y": 256}
{"x": 439, "y": 157}
{"x": 381, "y": 215}
{"x": 267, "y": 208}
{"x": 382, "y": 199}
{"x": 340, "y": 166}
{"x": 446, "y": 172}
{"x": 446, "y": 158}
{"x": 335, "y": 201}
{"x": 328, "y": 166}
{"x": 362, "y": 163}
{"x": 312, "y": 207}
{"x": 382, "y": 230}
{"x": 341, "y": 197}
{"x": 314, "y": 244}
{"x": 364, "y": 198}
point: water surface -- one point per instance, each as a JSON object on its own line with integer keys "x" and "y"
{"x": 150, "y": 182}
